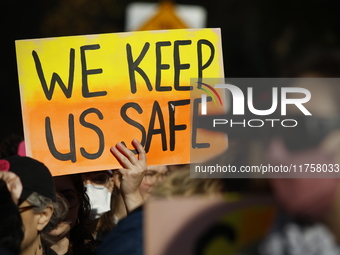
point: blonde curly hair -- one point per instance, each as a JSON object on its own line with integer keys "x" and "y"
{"x": 179, "y": 183}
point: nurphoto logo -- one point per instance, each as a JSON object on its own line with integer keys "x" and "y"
{"x": 238, "y": 104}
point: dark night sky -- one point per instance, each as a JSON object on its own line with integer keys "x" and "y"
{"x": 259, "y": 37}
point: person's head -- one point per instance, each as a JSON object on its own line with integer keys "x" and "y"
{"x": 36, "y": 213}
{"x": 99, "y": 186}
{"x": 71, "y": 189}
{"x": 153, "y": 175}
{"x": 37, "y": 204}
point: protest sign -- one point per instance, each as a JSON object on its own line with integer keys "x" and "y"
{"x": 80, "y": 95}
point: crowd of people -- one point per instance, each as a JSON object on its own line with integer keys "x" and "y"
{"x": 68, "y": 214}
{"x": 101, "y": 212}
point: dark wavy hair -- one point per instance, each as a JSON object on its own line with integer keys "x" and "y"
{"x": 81, "y": 239}
{"x": 11, "y": 233}
{"x": 9, "y": 146}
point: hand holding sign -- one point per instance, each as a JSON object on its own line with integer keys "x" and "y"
{"x": 132, "y": 172}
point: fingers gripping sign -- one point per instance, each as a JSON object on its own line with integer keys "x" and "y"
{"x": 132, "y": 172}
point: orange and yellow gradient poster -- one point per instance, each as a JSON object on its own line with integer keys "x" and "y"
{"x": 80, "y": 95}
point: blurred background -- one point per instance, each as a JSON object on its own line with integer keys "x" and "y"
{"x": 259, "y": 37}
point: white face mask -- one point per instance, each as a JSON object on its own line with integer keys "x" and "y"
{"x": 100, "y": 200}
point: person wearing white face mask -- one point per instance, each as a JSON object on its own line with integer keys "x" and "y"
{"x": 99, "y": 187}
{"x": 115, "y": 193}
